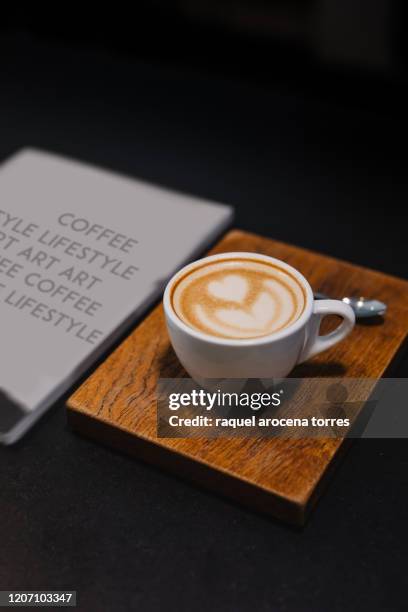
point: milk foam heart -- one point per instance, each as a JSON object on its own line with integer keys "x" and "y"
{"x": 230, "y": 288}
{"x": 257, "y": 316}
{"x": 238, "y": 298}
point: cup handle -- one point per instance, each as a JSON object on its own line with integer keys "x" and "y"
{"x": 315, "y": 343}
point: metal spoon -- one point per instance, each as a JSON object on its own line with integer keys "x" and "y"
{"x": 363, "y": 307}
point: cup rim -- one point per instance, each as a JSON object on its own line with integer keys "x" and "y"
{"x": 244, "y": 342}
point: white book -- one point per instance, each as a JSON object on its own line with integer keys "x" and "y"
{"x": 83, "y": 253}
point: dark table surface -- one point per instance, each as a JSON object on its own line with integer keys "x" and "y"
{"x": 75, "y": 515}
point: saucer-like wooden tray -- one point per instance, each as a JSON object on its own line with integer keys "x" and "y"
{"x": 116, "y": 405}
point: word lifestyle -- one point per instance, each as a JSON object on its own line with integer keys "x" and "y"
{"x": 52, "y": 316}
{"x": 77, "y": 301}
{"x": 14, "y": 231}
{"x": 86, "y": 254}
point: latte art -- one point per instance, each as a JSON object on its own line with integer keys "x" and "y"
{"x": 238, "y": 298}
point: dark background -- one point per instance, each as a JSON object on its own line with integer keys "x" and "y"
{"x": 295, "y": 113}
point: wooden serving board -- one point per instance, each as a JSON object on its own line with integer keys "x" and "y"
{"x": 117, "y": 404}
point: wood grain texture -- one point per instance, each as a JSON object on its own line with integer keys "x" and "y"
{"x": 117, "y": 404}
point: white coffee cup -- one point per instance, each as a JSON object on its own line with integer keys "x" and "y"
{"x": 205, "y": 356}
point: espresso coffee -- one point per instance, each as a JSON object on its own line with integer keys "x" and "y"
{"x": 238, "y": 298}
